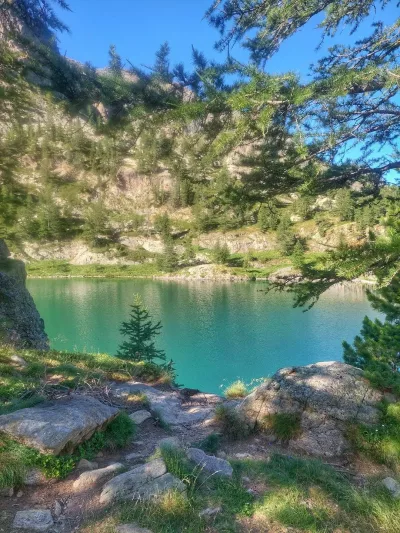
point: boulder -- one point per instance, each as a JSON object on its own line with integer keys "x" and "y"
{"x": 143, "y": 482}
{"x": 92, "y": 477}
{"x": 58, "y": 426}
{"x": 167, "y": 404}
{"x": 33, "y": 520}
{"x": 34, "y": 477}
{"x": 84, "y": 464}
{"x": 325, "y": 397}
{"x": 140, "y": 416}
{"x": 392, "y": 486}
{"x": 20, "y": 322}
{"x": 210, "y": 463}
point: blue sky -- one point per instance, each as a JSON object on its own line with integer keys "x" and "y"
{"x": 138, "y": 27}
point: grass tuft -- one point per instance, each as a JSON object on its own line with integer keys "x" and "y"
{"x": 285, "y": 426}
{"x": 238, "y": 389}
{"x": 232, "y": 424}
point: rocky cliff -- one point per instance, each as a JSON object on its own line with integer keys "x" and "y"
{"x": 20, "y": 322}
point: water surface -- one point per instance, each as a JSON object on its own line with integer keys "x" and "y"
{"x": 215, "y": 332}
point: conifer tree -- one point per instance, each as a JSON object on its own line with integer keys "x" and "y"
{"x": 115, "y": 62}
{"x": 140, "y": 332}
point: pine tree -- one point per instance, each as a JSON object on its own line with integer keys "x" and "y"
{"x": 168, "y": 260}
{"x": 298, "y": 255}
{"x": 140, "y": 332}
{"x": 95, "y": 225}
{"x": 221, "y": 253}
{"x": 285, "y": 236}
{"x": 115, "y": 62}
{"x": 344, "y": 205}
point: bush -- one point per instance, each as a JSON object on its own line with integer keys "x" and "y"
{"x": 285, "y": 426}
{"x": 221, "y": 253}
{"x": 210, "y": 444}
{"x": 238, "y": 389}
{"x": 232, "y": 423}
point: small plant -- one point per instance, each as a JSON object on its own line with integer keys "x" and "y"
{"x": 221, "y": 253}
{"x": 238, "y": 389}
{"x": 232, "y": 424}
{"x": 285, "y": 426}
{"x": 159, "y": 420}
{"x": 210, "y": 444}
{"x": 179, "y": 466}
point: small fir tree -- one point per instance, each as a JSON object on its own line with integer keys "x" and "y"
{"x": 344, "y": 205}
{"x": 140, "y": 332}
{"x": 298, "y": 255}
{"x": 221, "y": 253}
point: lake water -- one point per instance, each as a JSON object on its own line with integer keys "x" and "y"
{"x": 214, "y": 332}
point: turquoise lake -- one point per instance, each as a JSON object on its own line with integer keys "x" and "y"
{"x": 214, "y": 332}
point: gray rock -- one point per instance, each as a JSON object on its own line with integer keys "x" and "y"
{"x": 131, "y": 528}
{"x": 133, "y": 456}
{"x": 141, "y": 483}
{"x": 140, "y": 416}
{"x": 57, "y": 509}
{"x": 325, "y": 396}
{"x": 169, "y": 442}
{"x": 58, "y": 426}
{"x": 392, "y": 486}
{"x": 21, "y": 325}
{"x": 33, "y": 520}
{"x": 92, "y": 477}
{"x": 212, "y": 464}
{"x": 84, "y": 464}
{"x": 167, "y": 404}
{"x": 209, "y": 512}
{"x": 19, "y": 494}
{"x": 18, "y": 360}
{"x": 34, "y": 477}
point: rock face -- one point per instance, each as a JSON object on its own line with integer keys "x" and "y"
{"x": 58, "y": 426}
{"x": 326, "y": 397}
{"x": 33, "y": 520}
{"x": 215, "y": 465}
{"x": 141, "y": 483}
{"x": 140, "y": 416}
{"x": 20, "y": 322}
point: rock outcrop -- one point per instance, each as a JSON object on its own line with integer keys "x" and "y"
{"x": 20, "y": 322}
{"x": 326, "y": 397}
{"x": 143, "y": 482}
{"x": 58, "y": 426}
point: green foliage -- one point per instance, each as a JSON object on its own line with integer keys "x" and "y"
{"x": 141, "y": 332}
{"x": 162, "y": 224}
{"x": 298, "y": 255}
{"x": 302, "y": 207}
{"x": 285, "y": 426}
{"x": 268, "y": 218}
{"x": 210, "y": 444}
{"x": 286, "y": 237}
{"x": 168, "y": 260}
{"x": 220, "y": 253}
{"x": 95, "y": 225}
{"x": 380, "y": 442}
{"x": 344, "y": 205}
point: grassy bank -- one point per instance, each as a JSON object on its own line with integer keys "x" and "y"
{"x": 278, "y": 495}
{"x": 28, "y": 376}
{"x": 257, "y": 265}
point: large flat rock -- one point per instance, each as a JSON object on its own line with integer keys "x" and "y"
{"x": 58, "y": 426}
{"x": 33, "y": 520}
{"x": 167, "y": 404}
{"x": 141, "y": 483}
